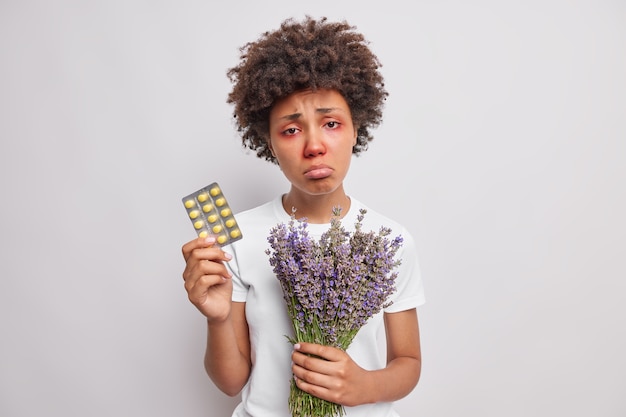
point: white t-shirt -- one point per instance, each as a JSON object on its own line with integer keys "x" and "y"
{"x": 254, "y": 282}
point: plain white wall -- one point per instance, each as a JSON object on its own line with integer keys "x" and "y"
{"x": 502, "y": 150}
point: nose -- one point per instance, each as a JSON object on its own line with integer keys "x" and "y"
{"x": 314, "y": 144}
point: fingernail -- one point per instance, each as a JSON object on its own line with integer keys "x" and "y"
{"x": 210, "y": 240}
{"x": 228, "y": 256}
{"x": 296, "y": 346}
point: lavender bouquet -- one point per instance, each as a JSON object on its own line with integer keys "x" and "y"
{"x": 331, "y": 288}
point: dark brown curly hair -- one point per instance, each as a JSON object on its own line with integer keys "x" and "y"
{"x": 315, "y": 54}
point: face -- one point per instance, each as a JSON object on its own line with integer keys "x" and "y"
{"x": 312, "y": 136}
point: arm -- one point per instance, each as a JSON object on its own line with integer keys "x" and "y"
{"x": 209, "y": 288}
{"x": 404, "y": 356}
{"x": 227, "y": 357}
{"x": 339, "y": 379}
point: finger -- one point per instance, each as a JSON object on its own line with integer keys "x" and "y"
{"x": 304, "y": 363}
{"x": 198, "y": 266}
{"x": 310, "y": 370}
{"x": 328, "y": 353}
{"x": 198, "y": 243}
{"x": 197, "y": 289}
{"x": 315, "y": 389}
{"x": 206, "y": 261}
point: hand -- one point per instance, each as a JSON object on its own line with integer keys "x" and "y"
{"x": 331, "y": 374}
{"x": 207, "y": 281}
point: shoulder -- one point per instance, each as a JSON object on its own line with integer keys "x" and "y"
{"x": 259, "y": 210}
{"x": 263, "y": 212}
{"x": 256, "y": 222}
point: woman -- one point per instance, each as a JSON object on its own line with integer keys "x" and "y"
{"x": 305, "y": 98}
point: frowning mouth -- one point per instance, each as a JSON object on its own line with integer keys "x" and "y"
{"x": 318, "y": 171}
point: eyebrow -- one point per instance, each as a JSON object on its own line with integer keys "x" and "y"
{"x": 322, "y": 110}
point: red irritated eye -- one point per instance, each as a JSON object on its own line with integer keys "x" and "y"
{"x": 333, "y": 124}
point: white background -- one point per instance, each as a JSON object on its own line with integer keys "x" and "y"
{"x": 502, "y": 151}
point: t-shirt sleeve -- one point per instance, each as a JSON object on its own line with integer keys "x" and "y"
{"x": 409, "y": 286}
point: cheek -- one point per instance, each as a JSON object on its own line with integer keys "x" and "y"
{"x": 346, "y": 157}
{"x": 283, "y": 159}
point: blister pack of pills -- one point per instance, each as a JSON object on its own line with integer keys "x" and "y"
{"x": 210, "y": 214}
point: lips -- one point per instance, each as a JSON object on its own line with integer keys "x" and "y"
{"x": 318, "y": 171}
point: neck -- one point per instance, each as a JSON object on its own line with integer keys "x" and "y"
{"x": 316, "y": 208}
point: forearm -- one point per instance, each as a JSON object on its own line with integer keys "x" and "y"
{"x": 226, "y": 361}
{"x": 404, "y": 358}
{"x": 395, "y": 381}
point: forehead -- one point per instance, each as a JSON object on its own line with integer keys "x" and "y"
{"x": 322, "y": 99}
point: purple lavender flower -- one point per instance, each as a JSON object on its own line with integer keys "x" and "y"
{"x": 331, "y": 287}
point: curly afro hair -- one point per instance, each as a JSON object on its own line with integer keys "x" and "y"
{"x": 314, "y": 54}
